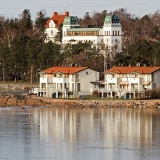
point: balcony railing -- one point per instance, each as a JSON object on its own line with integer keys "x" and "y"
{"x": 60, "y": 90}
{"x": 75, "y": 79}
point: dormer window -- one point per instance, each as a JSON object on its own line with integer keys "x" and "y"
{"x": 132, "y": 75}
{"x": 60, "y": 75}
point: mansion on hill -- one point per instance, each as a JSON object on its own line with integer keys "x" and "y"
{"x": 108, "y": 38}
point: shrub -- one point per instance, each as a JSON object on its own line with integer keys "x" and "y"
{"x": 95, "y": 93}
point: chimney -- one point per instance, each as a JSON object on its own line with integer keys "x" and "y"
{"x": 67, "y": 14}
{"x": 55, "y": 13}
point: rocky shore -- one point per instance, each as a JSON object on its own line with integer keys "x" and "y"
{"x": 33, "y": 101}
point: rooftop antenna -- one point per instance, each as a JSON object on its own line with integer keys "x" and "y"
{"x": 71, "y": 9}
{"x": 112, "y": 9}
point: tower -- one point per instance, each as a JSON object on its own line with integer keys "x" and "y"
{"x": 112, "y": 38}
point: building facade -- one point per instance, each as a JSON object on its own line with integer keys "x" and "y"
{"x": 53, "y": 24}
{"x": 109, "y": 37}
{"x": 125, "y": 82}
{"x": 67, "y": 82}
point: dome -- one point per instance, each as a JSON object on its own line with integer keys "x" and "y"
{"x": 111, "y": 19}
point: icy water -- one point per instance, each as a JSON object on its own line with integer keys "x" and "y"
{"x": 79, "y": 134}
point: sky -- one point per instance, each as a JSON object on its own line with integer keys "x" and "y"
{"x": 14, "y": 8}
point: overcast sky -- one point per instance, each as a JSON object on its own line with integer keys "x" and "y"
{"x": 13, "y": 8}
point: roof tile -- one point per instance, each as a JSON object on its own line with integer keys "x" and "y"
{"x": 70, "y": 70}
{"x": 126, "y": 70}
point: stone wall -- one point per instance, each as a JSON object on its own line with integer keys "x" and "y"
{"x": 34, "y": 101}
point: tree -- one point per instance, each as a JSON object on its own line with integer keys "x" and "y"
{"x": 141, "y": 53}
{"x": 40, "y": 22}
{"x": 33, "y": 47}
{"x": 49, "y": 55}
{"x": 58, "y": 37}
{"x": 25, "y": 22}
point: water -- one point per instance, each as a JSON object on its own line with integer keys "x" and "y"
{"x": 79, "y": 134}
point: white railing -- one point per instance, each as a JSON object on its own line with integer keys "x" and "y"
{"x": 38, "y": 89}
{"x": 59, "y": 90}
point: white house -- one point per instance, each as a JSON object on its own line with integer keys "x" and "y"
{"x": 53, "y": 24}
{"x": 108, "y": 37}
{"x": 65, "y": 82}
{"x": 126, "y": 81}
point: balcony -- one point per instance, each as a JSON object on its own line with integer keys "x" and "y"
{"x": 75, "y": 79}
{"x": 60, "y": 90}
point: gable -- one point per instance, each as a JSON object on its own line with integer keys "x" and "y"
{"x": 52, "y": 24}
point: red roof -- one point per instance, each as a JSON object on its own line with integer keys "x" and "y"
{"x": 129, "y": 69}
{"x": 57, "y": 18}
{"x": 70, "y": 70}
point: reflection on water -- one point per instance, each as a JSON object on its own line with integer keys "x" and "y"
{"x": 83, "y": 134}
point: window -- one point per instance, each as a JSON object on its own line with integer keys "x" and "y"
{"x": 60, "y": 75}
{"x": 134, "y": 86}
{"x": 55, "y": 75}
{"x": 78, "y": 86}
{"x": 86, "y": 72}
{"x": 101, "y": 40}
{"x": 51, "y": 32}
{"x": 132, "y": 75}
{"x": 152, "y": 77}
{"x": 43, "y": 85}
{"x": 77, "y": 75}
{"x": 154, "y": 85}
{"x": 110, "y": 75}
{"x": 113, "y": 33}
{"x": 72, "y": 86}
{"x": 66, "y": 75}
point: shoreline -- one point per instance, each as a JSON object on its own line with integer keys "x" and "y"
{"x": 34, "y": 101}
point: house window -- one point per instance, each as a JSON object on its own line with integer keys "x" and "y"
{"x": 43, "y": 85}
{"x": 78, "y": 86}
{"x": 152, "y": 77}
{"x": 77, "y": 75}
{"x": 112, "y": 86}
{"x": 154, "y": 85}
{"x": 132, "y": 75}
{"x": 113, "y": 33}
{"x": 55, "y": 75}
{"x": 60, "y": 75}
{"x": 134, "y": 86}
{"x": 66, "y": 75}
{"x": 72, "y": 86}
{"x": 51, "y": 32}
{"x": 101, "y": 40}
{"x": 86, "y": 72}
{"x": 110, "y": 75}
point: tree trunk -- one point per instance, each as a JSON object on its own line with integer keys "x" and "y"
{"x": 32, "y": 73}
